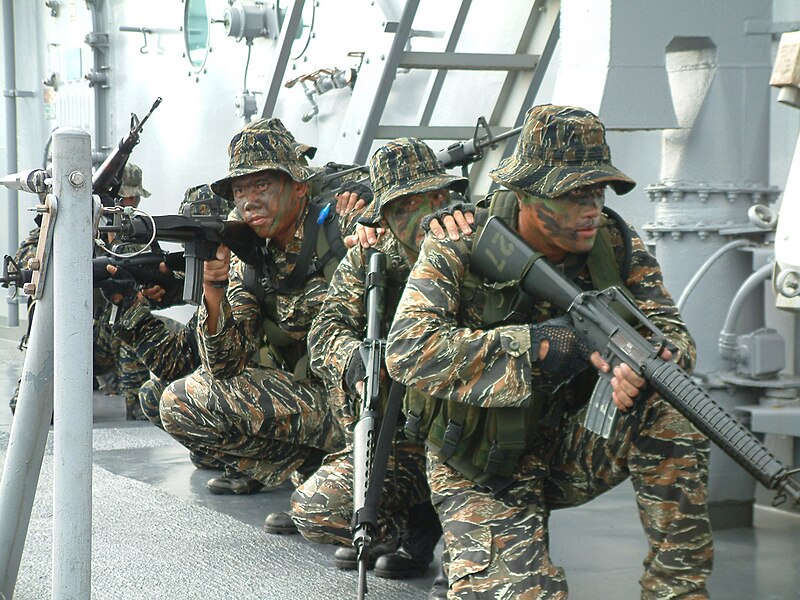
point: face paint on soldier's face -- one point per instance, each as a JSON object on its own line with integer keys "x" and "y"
{"x": 404, "y": 215}
{"x": 267, "y": 202}
{"x": 565, "y": 224}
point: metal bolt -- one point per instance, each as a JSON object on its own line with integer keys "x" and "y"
{"x": 41, "y": 208}
{"x": 34, "y": 264}
{"x": 76, "y": 179}
{"x": 29, "y": 289}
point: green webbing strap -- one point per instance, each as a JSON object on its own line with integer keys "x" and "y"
{"x": 510, "y": 439}
{"x": 457, "y": 413}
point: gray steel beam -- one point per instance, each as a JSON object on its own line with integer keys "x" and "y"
{"x": 27, "y": 441}
{"x": 372, "y": 92}
{"x": 284, "y": 50}
{"x": 531, "y": 25}
{"x": 536, "y": 82}
{"x": 437, "y": 79}
{"x": 468, "y": 61}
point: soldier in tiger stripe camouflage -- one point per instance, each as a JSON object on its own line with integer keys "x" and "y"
{"x": 256, "y": 408}
{"x": 495, "y": 519}
{"x": 409, "y": 183}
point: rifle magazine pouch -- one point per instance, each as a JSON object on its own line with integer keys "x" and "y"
{"x": 420, "y": 411}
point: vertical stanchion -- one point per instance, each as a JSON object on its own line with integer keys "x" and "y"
{"x": 72, "y": 339}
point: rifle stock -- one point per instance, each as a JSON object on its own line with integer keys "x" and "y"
{"x": 500, "y": 254}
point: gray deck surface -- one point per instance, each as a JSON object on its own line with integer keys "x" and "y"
{"x": 158, "y": 534}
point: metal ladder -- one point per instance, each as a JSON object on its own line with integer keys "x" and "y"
{"x": 524, "y": 69}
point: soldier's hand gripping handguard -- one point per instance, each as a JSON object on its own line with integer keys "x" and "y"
{"x": 501, "y": 255}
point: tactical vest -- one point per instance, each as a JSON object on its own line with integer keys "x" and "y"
{"x": 453, "y": 429}
{"x": 322, "y": 243}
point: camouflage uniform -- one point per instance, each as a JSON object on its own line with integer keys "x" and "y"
{"x": 110, "y": 356}
{"x": 497, "y": 539}
{"x": 265, "y": 419}
{"x": 168, "y": 349}
{"x": 169, "y": 352}
{"x": 323, "y": 506}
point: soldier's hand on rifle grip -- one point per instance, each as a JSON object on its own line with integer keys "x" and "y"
{"x": 215, "y": 280}
{"x": 156, "y": 293}
{"x": 627, "y": 384}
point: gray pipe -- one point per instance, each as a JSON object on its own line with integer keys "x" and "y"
{"x": 27, "y": 441}
{"x": 12, "y": 212}
{"x": 100, "y": 44}
{"x": 692, "y": 283}
{"x": 72, "y": 340}
{"x": 727, "y": 339}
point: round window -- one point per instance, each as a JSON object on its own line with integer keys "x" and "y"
{"x": 195, "y": 32}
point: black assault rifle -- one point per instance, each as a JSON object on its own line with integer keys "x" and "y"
{"x": 108, "y": 178}
{"x": 200, "y": 236}
{"x": 370, "y": 447}
{"x": 461, "y": 154}
{"x": 501, "y": 255}
{"x": 144, "y": 267}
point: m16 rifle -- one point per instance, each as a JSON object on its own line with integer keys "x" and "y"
{"x": 464, "y": 153}
{"x": 501, "y": 255}
{"x": 108, "y": 178}
{"x": 372, "y": 437}
{"x": 200, "y": 236}
{"x": 144, "y": 268}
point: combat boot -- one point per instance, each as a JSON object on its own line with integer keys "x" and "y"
{"x": 417, "y": 544}
{"x": 345, "y": 557}
{"x": 233, "y": 482}
{"x": 280, "y": 523}
{"x": 202, "y": 461}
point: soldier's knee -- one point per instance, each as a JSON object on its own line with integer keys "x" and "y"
{"x": 170, "y": 403}
{"x": 150, "y": 400}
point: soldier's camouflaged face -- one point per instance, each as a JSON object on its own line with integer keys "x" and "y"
{"x": 271, "y": 204}
{"x": 264, "y": 145}
{"x": 405, "y": 215}
{"x": 560, "y": 148}
{"x": 404, "y": 167}
{"x": 563, "y": 225}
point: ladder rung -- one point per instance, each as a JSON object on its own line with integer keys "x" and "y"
{"x": 466, "y": 61}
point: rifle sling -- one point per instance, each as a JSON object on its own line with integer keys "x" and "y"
{"x": 300, "y": 273}
{"x": 369, "y": 512}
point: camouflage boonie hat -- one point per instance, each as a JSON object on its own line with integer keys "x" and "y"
{"x": 560, "y": 148}
{"x": 200, "y": 200}
{"x": 264, "y": 145}
{"x": 405, "y": 166}
{"x": 132, "y": 182}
